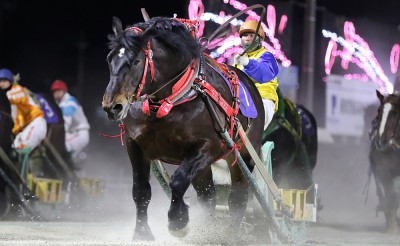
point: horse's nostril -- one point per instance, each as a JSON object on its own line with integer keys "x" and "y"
{"x": 117, "y": 108}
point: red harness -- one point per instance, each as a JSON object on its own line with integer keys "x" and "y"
{"x": 164, "y": 106}
{"x": 149, "y": 62}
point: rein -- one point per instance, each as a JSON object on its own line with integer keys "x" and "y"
{"x": 120, "y": 135}
{"x": 6, "y": 114}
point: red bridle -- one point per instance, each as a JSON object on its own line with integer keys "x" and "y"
{"x": 149, "y": 62}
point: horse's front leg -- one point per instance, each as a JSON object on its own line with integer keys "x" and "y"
{"x": 141, "y": 190}
{"x": 178, "y": 214}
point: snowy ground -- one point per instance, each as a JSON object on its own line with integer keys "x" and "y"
{"x": 341, "y": 173}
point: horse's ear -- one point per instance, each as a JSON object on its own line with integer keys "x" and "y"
{"x": 117, "y": 26}
{"x": 380, "y": 96}
{"x": 149, "y": 31}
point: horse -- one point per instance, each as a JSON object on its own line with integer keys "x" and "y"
{"x": 384, "y": 157}
{"x": 55, "y": 136}
{"x": 172, "y": 101}
{"x": 293, "y": 130}
{"x": 14, "y": 194}
{"x": 6, "y": 125}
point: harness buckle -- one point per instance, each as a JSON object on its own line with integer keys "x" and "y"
{"x": 150, "y": 54}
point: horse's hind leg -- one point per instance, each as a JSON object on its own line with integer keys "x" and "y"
{"x": 239, "y": 194}
{"x": 204, "y": 186}
{"x": 141, "y": 190}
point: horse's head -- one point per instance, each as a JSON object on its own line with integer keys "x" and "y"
{"x": 142, "y": 59}
{"x": 388, "y": 120}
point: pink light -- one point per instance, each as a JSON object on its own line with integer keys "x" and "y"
{"x": 361, "y": 77}
{"x": 196, "y": 10}
{"x": 349, "y": 31}
{"x": 221, "y": 59}
{"x": 357, "y": 51}
{"x": 271, "y": 19}
{"x": 394, "y": 58}
{"x": 329, "y": 57}
{"x": 282, "y": 24}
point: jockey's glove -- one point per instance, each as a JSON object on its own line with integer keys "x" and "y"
{"x": 241, "y": 60}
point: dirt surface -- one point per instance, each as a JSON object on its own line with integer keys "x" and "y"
{"x": 347, "y": 216}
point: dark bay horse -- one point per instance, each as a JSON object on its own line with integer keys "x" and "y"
{"x": 6, "y": 125}
{"x": 147, "y": 63}
{"x": 55, "y": 136}
{"x": 6, "y": 122}
{"x": 14, "y": 193}
{"x": 11, "y": 180}
{"x": 294, "y": 133}
{"x": 385, "y": 157}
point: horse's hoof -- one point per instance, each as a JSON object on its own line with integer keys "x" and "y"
{"x": 138, "y": 237}
{"x": 143, "y": 233}
{"x": 180, "y": 233}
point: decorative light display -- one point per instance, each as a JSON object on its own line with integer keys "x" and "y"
{"x": 226, "y": 47}
{"x": 394, "y": 58}
{"x": 356, "y": 50}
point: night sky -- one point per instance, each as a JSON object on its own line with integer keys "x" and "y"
{"x": 41, "y": 39}
{"x": 45, "y": 40}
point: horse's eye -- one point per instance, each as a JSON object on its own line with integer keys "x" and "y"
{"x": 136, "y": 62}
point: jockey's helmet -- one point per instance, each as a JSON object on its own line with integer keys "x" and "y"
{"x": 6, "y": 74}
{"x": 251, "y": 26}
{"x": 59, "y": 85}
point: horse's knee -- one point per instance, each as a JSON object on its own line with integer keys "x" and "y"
{"x": 141, "y": 195}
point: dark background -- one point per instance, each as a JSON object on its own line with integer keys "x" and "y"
{"x": 45, "y": 40}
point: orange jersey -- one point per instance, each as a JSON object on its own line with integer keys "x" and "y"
{"x": 25, "y": 109}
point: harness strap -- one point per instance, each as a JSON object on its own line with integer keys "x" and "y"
{"x": 148, "y": 63}
{"x": 178, "y": 90}
{"x": 216, "y": 96}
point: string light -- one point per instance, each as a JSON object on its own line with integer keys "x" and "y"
{"x": 220, "y": 48}
{"x": 357, "y": 51}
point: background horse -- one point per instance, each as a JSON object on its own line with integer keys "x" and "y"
{"x": 6, "y": 125}
{"x": 13, "y": 189}
{"x": 55, "y": 136}
{"x": 385, "y": 157}
{"x": 153, "y": 59}
{"x": 294, "y": 133}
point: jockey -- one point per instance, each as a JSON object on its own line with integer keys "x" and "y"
{"x": 30, "y": 127}
{"x": 260, "y": 65}
{"x": 75, "y": 122}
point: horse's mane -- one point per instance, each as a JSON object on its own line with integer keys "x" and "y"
{"x": 173, "y": 34}
{"x": 6, "y": 122}
{"x": 3, "y": 99}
